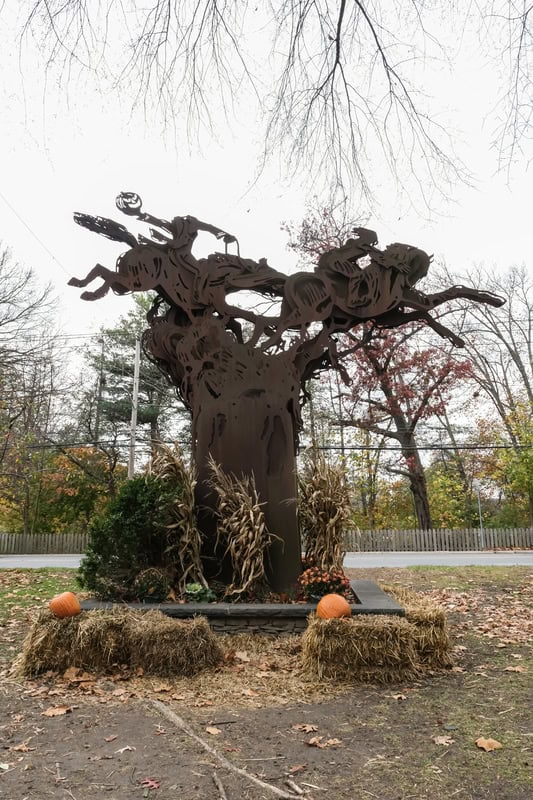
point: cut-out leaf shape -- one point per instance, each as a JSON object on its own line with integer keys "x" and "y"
{"x": 488, "y": 744}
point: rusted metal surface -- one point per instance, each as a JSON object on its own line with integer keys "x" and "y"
{"x": 244, "y": 384}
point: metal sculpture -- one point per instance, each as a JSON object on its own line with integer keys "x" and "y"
{"x": 245, "y": 391}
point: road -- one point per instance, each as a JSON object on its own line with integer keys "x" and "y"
{"x": 502, "y": 558}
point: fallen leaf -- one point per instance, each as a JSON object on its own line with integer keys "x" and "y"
{"x": 123, "y": 749}
{"x": 242, "y": 655}
{"x": 111, "y": 738}
{"x": 229, "y": 749}
{"x": 212, "y": 730}
{"x": 296, "y": 768}
{"x": 250, "y": 693}
{"x": 22, "y": 747}
{"x": 306, "y": 727}
{"x": 317, "y": 741}
{"x": 488, "y": 744}
{"x": 5, "y": 766}
{"x": 162, "y": 687}
{"x": 56, "y": 711}
{"x": 518, "y": 668}
{"x": 399, "y": 697}
{"x": 443, "y": 740}
{"x": 150, "y": 783}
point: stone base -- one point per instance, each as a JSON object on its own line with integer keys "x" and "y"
{"x": 269, "y": 619}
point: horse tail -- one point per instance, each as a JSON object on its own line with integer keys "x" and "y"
{"x": 106, "y": 227}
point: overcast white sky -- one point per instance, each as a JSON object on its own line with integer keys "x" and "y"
{"x": 63, "y": 153}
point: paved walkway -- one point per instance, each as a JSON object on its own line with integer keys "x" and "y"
{"x": 502, "y": 558}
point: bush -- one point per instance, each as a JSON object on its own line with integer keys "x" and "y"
{"x": 151, "y": 584}
{"x": 126, "y": 540}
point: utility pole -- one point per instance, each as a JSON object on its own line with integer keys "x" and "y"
{"x": 134, "y": 403}
{"x": 99, "y": 393}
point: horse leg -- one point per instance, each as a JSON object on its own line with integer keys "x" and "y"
{"x": 97, "y": 272}
{"x": 393, "y": 319}
{"x": 426, "y": 302}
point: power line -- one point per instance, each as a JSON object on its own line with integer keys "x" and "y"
{"x": 423, "y": 447}
{"x": 15, "y": 212}
{"x": 125, "y": 443}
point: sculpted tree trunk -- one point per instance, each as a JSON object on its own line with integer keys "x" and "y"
{"x": 243, "y": 419}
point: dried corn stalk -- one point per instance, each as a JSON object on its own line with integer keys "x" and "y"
{"x": 323, "y": 511}
{"x": 242, "y": 529}
{"x": 184, "y": 538}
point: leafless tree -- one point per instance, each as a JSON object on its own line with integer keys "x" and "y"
{"x": 499, "y": 342}
{"x": 336, "y": 81}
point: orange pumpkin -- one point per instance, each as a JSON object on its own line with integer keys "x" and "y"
{"x": 333, "y": 605}
{"x": 65, "y": 605}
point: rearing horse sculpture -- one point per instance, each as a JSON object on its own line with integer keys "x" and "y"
{"x": 340, "y": 292}
{"x": 168, "y": 266}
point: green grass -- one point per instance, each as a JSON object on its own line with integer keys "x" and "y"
{"x": 25, "y": 589}
{"x": 468, "y": 577}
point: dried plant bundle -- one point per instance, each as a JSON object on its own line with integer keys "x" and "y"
{"x": 241, "y": 529}
{"x": 184, "y": 538}
{"x": 323, "y": 510}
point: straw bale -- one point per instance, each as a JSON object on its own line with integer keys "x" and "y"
{"x": 48, "y": 645}
{"x": 165, "y": 646}
{"x": 377, "y": 648}
{"x": 103, "y": 639}
{"x": 431, "y": 636}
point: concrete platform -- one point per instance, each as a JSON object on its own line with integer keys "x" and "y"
{"x": 270, "y": 618}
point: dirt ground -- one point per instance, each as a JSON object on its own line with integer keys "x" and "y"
{"x": 80, "y": 737}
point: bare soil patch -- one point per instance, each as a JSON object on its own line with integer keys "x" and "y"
{"x": 83, "y": 736}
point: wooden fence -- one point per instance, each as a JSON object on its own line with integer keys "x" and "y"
{"x": 355, "y": 541}
{"x": 442, "y": 539}
{"x": 29, "y": 543}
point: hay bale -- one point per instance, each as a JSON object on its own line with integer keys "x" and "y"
{"x": 432, "y": 641}
{"x": 101, "y": 640}
{"x": 375, "y": 648}
{"x": 48, "y": 645}
{"x": 165, "y": 646}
